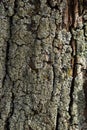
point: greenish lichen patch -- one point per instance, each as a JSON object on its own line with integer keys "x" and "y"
{"x": 42, "y": 64}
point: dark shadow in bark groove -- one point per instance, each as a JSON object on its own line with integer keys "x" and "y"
{"x": 7, "y": 122}
{"x": 72, "y": 19}
{"x": 74, "y": 70}
{"x": 6, "y": 63}
{"x": 85, "y": 94}
{"x": 51, "y": 6}
{"x": 52, "y": 94}
{"x": 57, "y": 120}
{"x": 8, "y": 42}
{"x": 72, "y": 85}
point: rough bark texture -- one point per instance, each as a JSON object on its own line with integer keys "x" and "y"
{"x": 43, "y": 57}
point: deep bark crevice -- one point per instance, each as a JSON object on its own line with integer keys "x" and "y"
{"x": 74, "y": 72}
{"x": 6, "y": 63}
{"x": 7, "y": 122}
{"x": 85, "y": 92}
{"x": 84, "y": 70}
{"x": 57, "y": 120}
{"x": 8, "y": 43}
{"x": 72, "y": 88}
{"x": 52, "y": 94}
{"x": 72, "y": 18}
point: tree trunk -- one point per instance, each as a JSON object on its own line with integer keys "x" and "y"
{"x": 43, "y": 57}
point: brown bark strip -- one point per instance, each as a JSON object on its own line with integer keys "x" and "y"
{"x": 65, "y": 19}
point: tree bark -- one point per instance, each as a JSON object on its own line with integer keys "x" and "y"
{"x": 43, "y": 71}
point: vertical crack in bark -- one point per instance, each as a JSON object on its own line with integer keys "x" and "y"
{"x": 72, "y": 18}
{"x": 72, "y": 85}
{"x": 8, "y": 43}
{"x": 6, "y": 64}
{"x": 52, "y": 94}
{"x": 85, "y": 92}
{"x": 7, "y": 122}
{"x": 57, "y": 120}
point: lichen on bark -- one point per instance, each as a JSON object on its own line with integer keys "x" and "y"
{"x": 43, "y": 65}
